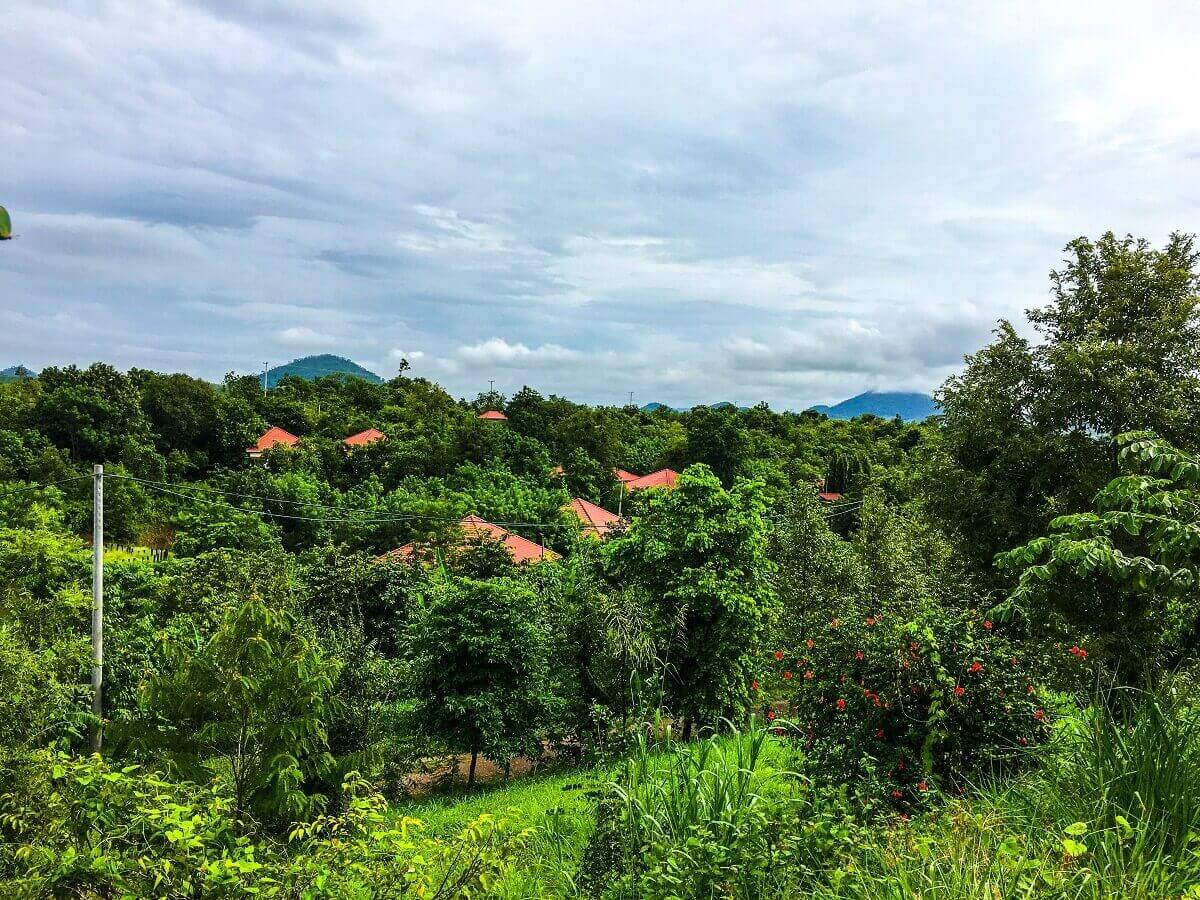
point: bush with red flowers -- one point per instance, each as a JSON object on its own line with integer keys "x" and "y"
{"x": 912, "y": 705}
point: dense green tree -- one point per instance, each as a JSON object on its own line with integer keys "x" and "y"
{"x": 91, "y": 412}
{"x": 1124, "y": 575}
{"x": 1025, "y": 430}
{"x": 699, "y": 553}
{"x": 482, "y": 676}
{"x": 254, "y": 696}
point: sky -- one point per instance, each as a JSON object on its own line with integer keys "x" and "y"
{"x": 695, "y": 202}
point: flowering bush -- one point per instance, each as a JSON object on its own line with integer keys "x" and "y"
{"x": 916, "y": 705}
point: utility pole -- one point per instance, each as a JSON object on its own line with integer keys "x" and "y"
{"x": 631, "y": 398}
{"x": 265, "y": 364}
{"x": 491, "y": 386}
{"x": 97, "y": 603}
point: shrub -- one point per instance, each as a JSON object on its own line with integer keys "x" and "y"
{"x": 913, "y": 705}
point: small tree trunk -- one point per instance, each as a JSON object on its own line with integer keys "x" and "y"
{"x": 471, "y": 773}
{"x": 507, "y": 769}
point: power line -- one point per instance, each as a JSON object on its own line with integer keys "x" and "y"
{"x": 43, "y": 486}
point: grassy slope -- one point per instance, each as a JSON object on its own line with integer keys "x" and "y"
{"x": 1126, "y": 793}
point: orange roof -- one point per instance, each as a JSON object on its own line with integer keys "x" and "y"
{"x": 596, "y": 520}
{"x": 625, "y": 477}
{"x": 367, "y": 436}
{"x": 829, "y": 496}
{"x": 493, "y": 415}
{"x": 664, "y": 478}
{"x": 522, "y": 550}
{"x": 272, "y": 436}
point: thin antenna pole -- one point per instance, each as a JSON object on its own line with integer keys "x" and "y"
{"x": 491, "y": 386}
{"x": 631, "y": 398}
{"x": 97, "y": 604}
{"x": 265, "y": 364}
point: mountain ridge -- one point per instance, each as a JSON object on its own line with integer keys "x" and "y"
{"x": 908, "y": 405}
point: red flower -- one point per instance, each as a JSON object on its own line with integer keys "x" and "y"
{"x": 841, "y": 704}
{"x": 809, "y": 643}
{"x": 858, "y": 654}
{"x": 879, "y": 734}
{"x": 754, "y": 685}
{"x": 1029, "y": 688}
{"x": 904, "y": 817}
{"x": 1024, "y": 742}
{"x": 770, "y": 715}
{"x": 959, "y": 690}
{"x": 921, "y": 786}
{"x": 987, "y": 624}
{"x": 1040, "y": 715}
{"x": 834, "y": 623}
{"x": 808, "y": 674}
{"x": 871, "y": 620}
{"x": 787, "y": 676}
{"x": 778, "y": 655}
{"x": 896, "y": 794}
{"x": 976, "y": 667}
{"x": 913, "y": 646}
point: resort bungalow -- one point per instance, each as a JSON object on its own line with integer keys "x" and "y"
{"x": 596, "y": 520}
{"x": 272, "y": 437}
{"x": 367, "y": 436}
{"x": 521, "y": 550}
{"x": 663, "y": 478}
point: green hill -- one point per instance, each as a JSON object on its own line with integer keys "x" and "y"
{"x": 311, "y": 367}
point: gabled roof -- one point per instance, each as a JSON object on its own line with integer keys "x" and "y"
{"x": 596, "y": 520}
{"x": 664, "y": 478}
{"x": 625, "y": 477}
{"x": 367, "y": 436}
{"x": 493, "y": 415}
{"x": 522, "y": 550}
{"x": 829, "y": 496}
{"x": 272, "y": 436}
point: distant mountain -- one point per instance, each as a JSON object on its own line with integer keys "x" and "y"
{"x": 12, "y": 373}
{"x": 311, "y": 367}
{"x": 909, "y": 406}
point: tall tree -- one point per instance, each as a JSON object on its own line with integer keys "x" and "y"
{"x": 482, "y": 674}
{"x": 699, "y": 553}
{"x": 1025, "y": 429}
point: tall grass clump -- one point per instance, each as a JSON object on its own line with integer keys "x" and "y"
{"x": 722, "y": 816}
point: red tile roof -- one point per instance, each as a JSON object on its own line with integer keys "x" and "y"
{"x": 596, "y": 520}
{"x": 367, "y": 436}
{"x": 664, "y": 478}
{"x": 522, "y": 550}
{"x": 272, "y": 436}
{"x": 829, "y": 496}
{"x": 493, "y": 415}
{"x": 625, "y": 477}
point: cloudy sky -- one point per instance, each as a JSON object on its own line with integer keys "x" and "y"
{"x": 693, "y": 201}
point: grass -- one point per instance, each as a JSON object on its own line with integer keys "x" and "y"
{"x": 1113, "y": 811}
